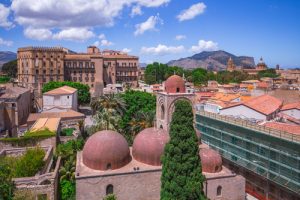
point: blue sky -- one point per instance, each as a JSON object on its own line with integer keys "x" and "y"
{"x": 148, "y": 28}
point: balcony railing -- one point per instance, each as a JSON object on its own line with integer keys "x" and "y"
{"x": 243, "y": 123}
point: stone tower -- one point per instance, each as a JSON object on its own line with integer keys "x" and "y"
{"x": 165, "y": 101}
{"x": 261, "y": 65}
{"x": 230, "y": 65}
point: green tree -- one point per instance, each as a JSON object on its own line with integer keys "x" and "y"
{"x": 108, "y": 110}
{"x": 136, "y": 101}
{"x": 6, "y": 183}
{"x": 10, "y": 68}
{"x": 199, "y": 76}
{"x": 268, "y": 73}
{"x": 30, "y": 163}
{"x": 141, "y": 120}
{"x": 107, "y": 120}
{"x": 82, "y": 89}
{"x": 110, "y": 197}
{"x": 182, "y": 177}
{"x": 109, "y": 102}
{"x": 68, "y": 153}
{"x": 67, "y": 190}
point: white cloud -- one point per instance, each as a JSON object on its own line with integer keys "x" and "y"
{"x": 152, "y": 3}
{"x": 38, "y": 33}
{"x": 101, "y": 36}
{"x": 4, "y": 13}
{"x": 61, "y": 15}
{"x": 106, "y": 43}
{"x": 76, "y": 34}
{"x": 204, "y": 46}
{"x": 136, "y": 10}
{"x": 191, "y": 12}
{"x": 180, "y": 37}
{"x": 5, "y": 42}
{"x": 103, "y": 41}
{"x": 162, "y": 50}
{"x": 126, "y": 50}
{"x": 149, "y": 24}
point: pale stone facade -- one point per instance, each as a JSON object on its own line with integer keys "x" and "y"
{"x": 16, "y": 107}
{"x": 39, "y": 65}
{"x": 63, "y": 98}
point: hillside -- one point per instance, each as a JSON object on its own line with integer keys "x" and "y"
{"x": 213, "y": 60}
{"x": 6, "y": 56}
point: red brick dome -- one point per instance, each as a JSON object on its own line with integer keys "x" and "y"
{"x": 211, "y": 160}
{"x": 175, "y": 84}
{"x": 106, "y": 150}
{"x": 149, "y": 144}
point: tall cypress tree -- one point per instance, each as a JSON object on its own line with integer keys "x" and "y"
{"x": 182, "y": 177}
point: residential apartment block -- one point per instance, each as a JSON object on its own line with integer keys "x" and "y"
{"x": 39, "y": 65}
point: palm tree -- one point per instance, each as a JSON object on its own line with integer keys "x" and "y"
{"x": 67, "y": 171}
{"x": 109, "y": 102}
{"x": 141, "y": 120}
{"x": 107, "y": 119}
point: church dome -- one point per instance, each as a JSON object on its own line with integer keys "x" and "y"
{"x": 149, "y": 144}
{"x": 106, "y": 150}
{"x": 175, "y": 84}
{"x": 211, "y": 160}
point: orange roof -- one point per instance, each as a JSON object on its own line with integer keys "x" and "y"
{"x": 262, "y": 85}
{"x": 295, "y": 105}
{"x": 46, "y": 123}
{"x": 242, "y": 85}
{"x": 264, "y": 104}
{"x": 225, "y": 97}
{"x": 70, "y": 114}
{"x": 290, "y": 128}
{"x": 245, "y": 98}
{"x": 62, "y": 90}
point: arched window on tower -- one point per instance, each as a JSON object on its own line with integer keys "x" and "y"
{"x": 177, "y": 90}
{"x": 219, "y": 190}
{"x": 109, "y": 189}
{"x": 162, "y": 112}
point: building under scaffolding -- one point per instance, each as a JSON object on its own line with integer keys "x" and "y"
{"x": 269, "y": 159}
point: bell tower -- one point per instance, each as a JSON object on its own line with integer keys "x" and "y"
{"x": 230, "y": 65}
{"x": 165, "y": 101}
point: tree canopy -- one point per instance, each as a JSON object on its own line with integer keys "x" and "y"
{"x": 182, "y": 177}
{"x": 157, "y": 73}
{"x": 140, "y": 106}
{"x": 10, "y": 68}
{"x": 82, "y": 89}
{"x": 268, "y": 73}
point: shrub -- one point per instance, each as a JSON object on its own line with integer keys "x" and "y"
{"x": 30, "y": 138}
{"x": 4, "y": 79}
{"x": 30, "y": 163}
{"x": 67, "y": 131}
{"x": 110, "y": 197}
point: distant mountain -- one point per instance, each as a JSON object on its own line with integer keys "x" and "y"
{"x": 143, "y": 65}
{"x": 6, "y": 56}
{"x": 213, "y": 60}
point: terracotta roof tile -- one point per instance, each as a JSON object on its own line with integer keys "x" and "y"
{"x": 290, "y": 128}
{"x": 62, "y": 90}
{"x": 264, "y": 104}
{"x": 295, "y": 105}
{"x": 70, "y": 114}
